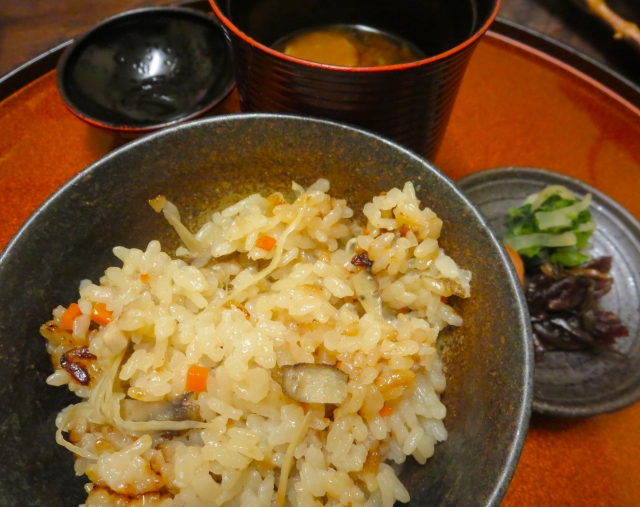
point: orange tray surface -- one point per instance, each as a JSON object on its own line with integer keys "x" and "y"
{"x": 516, "y": 106}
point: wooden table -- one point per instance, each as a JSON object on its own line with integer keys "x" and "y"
{"x": 30, "y": 27}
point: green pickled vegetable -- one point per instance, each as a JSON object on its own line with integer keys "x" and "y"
{"x": 551, "y": 226}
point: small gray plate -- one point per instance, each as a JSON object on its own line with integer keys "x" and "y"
{"x": 578, "y": 383}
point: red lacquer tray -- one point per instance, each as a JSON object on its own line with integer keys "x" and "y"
{"x": 517, "y": 106}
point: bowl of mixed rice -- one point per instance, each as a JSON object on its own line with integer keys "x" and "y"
{"x": 261, "y": 310}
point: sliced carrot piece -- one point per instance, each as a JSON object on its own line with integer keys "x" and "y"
{"x": 144, "y": 278}
{"x": 517, "y": 262}
{"x": 100, "y": 314}
{"x": 386, "y": 411}
{"x": 70, "y": 315}
{"x": 266, "y": 242}
{"x": 197, "y": 378}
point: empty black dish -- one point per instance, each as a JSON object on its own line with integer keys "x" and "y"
{"x": 146, "y": 69}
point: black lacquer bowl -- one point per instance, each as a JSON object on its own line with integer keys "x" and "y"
{"x": 197, "y": 166}
{"x": 409, "y": 103}
{"x": 146, "y": 69}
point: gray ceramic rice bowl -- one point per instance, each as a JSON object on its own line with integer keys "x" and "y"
{"x": 198, "y": 166}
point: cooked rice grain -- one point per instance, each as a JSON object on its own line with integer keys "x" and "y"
{"x": 243, "y": 310}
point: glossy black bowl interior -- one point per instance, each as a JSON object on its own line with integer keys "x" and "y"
{"x": 433, "y": 26}
{"x": 147, "y": 68}
{"x": 202, "y": 166}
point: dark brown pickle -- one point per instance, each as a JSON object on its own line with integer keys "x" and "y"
{"x": 563, "y": 304}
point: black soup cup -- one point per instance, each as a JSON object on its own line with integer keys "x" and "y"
{"x": 409, "y": 103}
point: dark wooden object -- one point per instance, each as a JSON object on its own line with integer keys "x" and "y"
{"x": 574, "y": 26}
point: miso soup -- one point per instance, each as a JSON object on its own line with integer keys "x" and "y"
{"x": 349, "y": 46}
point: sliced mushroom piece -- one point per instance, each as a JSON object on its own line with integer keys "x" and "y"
{"x": 313, "y": 383}
{"x": 77, "y": 362}
{"x": 367, "y": 290}
{"x": 361, "y": 260}
{"x": 180, "y": 409}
